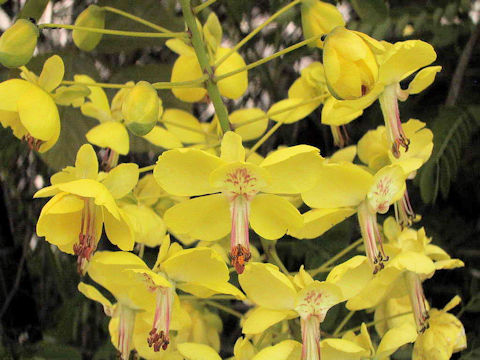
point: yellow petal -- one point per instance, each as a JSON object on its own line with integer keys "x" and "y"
{"x": 423, "y": 79}
{"x": 260, "y": 319}
{"x": 149, "y": 228}
{"x": 52, "y": 73}
{"x": 289, "y": 111}
{"x": 302, "y": 89}
{"x": 110, "y": 134}
{"x": 205, "y": 289}
{"x": 266, "y": 286}
{"x": 271, "y": 216}
{"x": 179, "y": 121}
{"x": 165, "y": 139}
{"x": 302, "y": 278}
{"x": 192, "y": 351}
{"x": 351, "y": 276}
{"x": 333, "y": 179}
{"x": 404, "y": 58}
{"x": 319, "y": 18}
{"x": 187, "y": 68}
{"x": 86, "y": 163}
{"x": 121, "y": 179}
{"x": 148, "y": 277}
{"x": 251, "y": 130}
{"x": 232, "y": 149}
{"x": 185, "y": 172}
{"x": 285, "y": 350}
{"x": 234, "y": 86}
{"x": 395, "y": 338}
{"x": 12, "y": 120}
{"x": 196, "y": 265}
{"x": 178, "y": 46}
{"x": 341, "y": 349}
{"x": 97, "y": 96}
{"x": 373, "y": 148}
{"x": 318, "y": 221}
{"x": 119, "y": 232}
{"x": 39, "y": 114}
{"x": 346, "y": 154}
{"x": 203, "y": 218}
{"x": 92, "y": 293}
{"x": 293, "y": 169}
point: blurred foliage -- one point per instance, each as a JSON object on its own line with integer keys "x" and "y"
{"x": 48, "y": 319}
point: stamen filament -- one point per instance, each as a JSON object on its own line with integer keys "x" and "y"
{"x": 417, "y": 300}
{"x": 310, "y": 338}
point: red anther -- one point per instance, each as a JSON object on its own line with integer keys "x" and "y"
{"x": 158, "y": 340}
{"x": 239, "y": 257}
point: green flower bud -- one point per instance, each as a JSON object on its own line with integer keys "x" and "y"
{"x": 18, "y": 43}
{"x": 93, "y": 17}
{"x": 140, "y": 108}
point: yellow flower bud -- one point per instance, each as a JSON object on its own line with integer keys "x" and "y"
{"x": 319, "y": 18}
{"x": 18, "y": 43}
{"x": 93, "y": 17}
{"x": 351, "y": 69}
{"x": 140, "y": 108}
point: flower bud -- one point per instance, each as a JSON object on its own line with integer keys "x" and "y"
{"x": 351, "y": 69}
{"x": 140, "y": 108}
{"x": 319, "y": 18}
{"x": 92, "y": 17}
{"x": 18, "y": 43}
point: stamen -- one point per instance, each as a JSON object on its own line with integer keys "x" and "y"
{"x": 33, "y": 144}
{"x": 418, "y": 301}
{"x": 340, "y": 135}
{"x": 404, "y": 213}
{"x": 125, "y": 330}
{"x": 310, "y": 338}
{"x": 389, "y": 105}
{"x": 371, "y": 236}
{"x": 109, "y": 160}
{"x": 86, "y": 239}
{"x": 159, "y": 335}
{"x": 239, "y": 236}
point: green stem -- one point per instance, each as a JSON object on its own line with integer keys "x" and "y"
{"x": 136, "y": 18}
{"x": 263, "y": 139}
{"x": 271, "y": 251}
{"x": 203, "y": 60}
{"x": 224, "y": 308}
{"x": 372, "y": 323}
{"x": 268, "y": 58}
{"x": 256, "y": 31}
{"x": 103, "y": 85}
{"x": 115, "y": 32}
{"x": 343, "y": 323}
{"x": 335, "y": 258}
{"x": 146, "y": 168}
{"x": 200, "y": 7}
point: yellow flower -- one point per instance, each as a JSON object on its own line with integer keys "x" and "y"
{"x": 319, "y": 18}
{"x": 277, "y": 298}
{"x": 358, "y": 347}
{"x": 351, "y": 68}
{"x": 444, "y": 337}
{"x": 18, "y": 43}
{"x": 140, "y": 108}
{"x": 199, "y": 271}
{"x": 374, "y": 150}
{"x": 349, "y": 186}
{"x": 237, "y": 193}
{"x": 187, "y": 68}
{"x": 83, "y": 200}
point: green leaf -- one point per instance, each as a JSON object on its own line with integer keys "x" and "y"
{"x": 370, "y": 10}
{"x": 53, "y": 351}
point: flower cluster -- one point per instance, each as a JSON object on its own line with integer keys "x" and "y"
{"x": 210, "y": 185}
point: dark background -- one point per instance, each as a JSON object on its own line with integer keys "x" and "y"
{"x": 42, "y": 315}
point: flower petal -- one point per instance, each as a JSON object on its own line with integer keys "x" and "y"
{"x": 279, "y": 112}
{"x": 234, "y": 86}
{"x": 318, "y": 221}
{"x": 173, "y": 117}
{"x": 52, "y": 73}
{"x": 423, "y": 79}
{"x": 285, "y": 350}
{"x": 192, "y": 351}
{"x": 293, "y": 169}
{"x": 333, "y": 179}
{"x": 266, "y": 286}
{"x": 232, "y": 149}
{"x": 158, "y": 136}
{"x": 120, "y": 232}
{"x": 121, "y": 179}
{"x": 187, "y": 68}
{"x": 185, "y": 172}
{"x": 110, "y": 134}
{"x": 251, "y": 130}
{"x": 86, "y": 163}
{"x": 260, "y": 319}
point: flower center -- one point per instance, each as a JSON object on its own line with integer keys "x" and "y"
{"x": 241, "y": 181}
{"x": 159, "y": 336}
{"x": 86, "y": 239}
